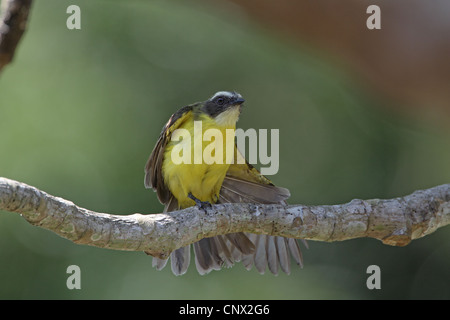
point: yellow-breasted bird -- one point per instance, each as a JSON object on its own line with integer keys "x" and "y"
{"x": 182, "y": 185}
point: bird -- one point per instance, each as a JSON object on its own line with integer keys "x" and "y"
{"x": 180, "y": 185}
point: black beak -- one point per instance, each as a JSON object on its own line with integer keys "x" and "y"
{"x": 238, "y": 101}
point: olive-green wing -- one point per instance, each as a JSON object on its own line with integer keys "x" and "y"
{"x": 244, "y": 183}
{"x": 153, "y": 168}
{"x": 154, "y": 179}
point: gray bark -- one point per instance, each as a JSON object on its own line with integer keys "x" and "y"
{"x": 393, "y": 221}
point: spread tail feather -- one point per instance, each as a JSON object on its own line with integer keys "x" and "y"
{"x": 180, "y": 260}
{"x": 159, "y": 264}
{"x": 270, "y": 251}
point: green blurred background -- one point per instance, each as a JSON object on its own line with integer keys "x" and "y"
{"x": 80, "y": 111}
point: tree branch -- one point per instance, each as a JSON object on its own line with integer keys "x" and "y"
{"x": 394, "y": 221}
{"x": 13, "y": 22}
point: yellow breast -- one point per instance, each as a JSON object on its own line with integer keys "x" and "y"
{"x": 201, "y": 178}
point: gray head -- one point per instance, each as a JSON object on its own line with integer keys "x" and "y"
{"x": 221, "y": 101}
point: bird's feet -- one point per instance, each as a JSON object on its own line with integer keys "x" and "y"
{"x": 203, "y": 205}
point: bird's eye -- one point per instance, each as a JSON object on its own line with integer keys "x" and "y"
{"x": 220, "y": 101}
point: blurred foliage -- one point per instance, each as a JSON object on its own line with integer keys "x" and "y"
{"x": 81, "y": 110}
